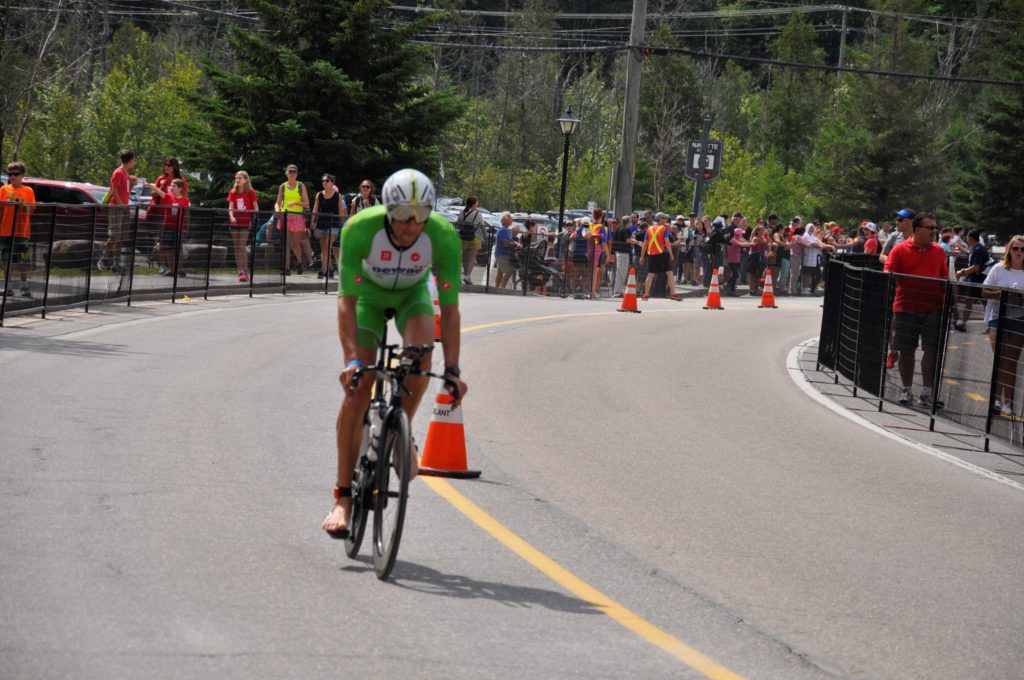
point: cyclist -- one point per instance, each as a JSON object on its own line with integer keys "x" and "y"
{"x": 386, "y": 256}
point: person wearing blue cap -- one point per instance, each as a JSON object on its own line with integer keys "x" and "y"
{"x": 904, "y": 229}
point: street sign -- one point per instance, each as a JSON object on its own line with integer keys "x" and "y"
{"x": 704, "y": 164}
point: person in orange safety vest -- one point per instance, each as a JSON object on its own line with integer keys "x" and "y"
{"x": 657, "y": 251}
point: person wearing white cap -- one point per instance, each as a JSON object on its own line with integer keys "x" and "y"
{"x": 871, "y": 236}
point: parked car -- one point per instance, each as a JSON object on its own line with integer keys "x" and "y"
{"x": 75, "y": 203}
{"x": 140, "y": 195}
{"x": 541, "y": 219}
{"x": 572, "y": 214}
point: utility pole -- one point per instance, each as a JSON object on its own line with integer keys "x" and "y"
{"x": 630, "y": 118}
{"x": 842, "y": 48}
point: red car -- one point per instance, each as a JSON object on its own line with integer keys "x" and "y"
{"x": 74, "y": 204}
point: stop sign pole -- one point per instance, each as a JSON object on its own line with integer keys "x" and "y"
{"x": 698, "y": 188}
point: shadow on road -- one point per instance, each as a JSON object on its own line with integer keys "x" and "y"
{"x": 34, "y": 343}
{"x": 432, "y": 582}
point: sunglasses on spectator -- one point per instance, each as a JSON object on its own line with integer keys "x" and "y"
{"x": 325, "y": 179}
{"x": 14, "y": 173}
{"x": 1017, "y": 249}
{"x": 366, "y": 186}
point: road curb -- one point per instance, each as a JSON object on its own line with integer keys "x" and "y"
{"x": 796, "y": 373}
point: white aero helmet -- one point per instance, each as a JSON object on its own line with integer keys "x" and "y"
{"x": 408, "y": 193}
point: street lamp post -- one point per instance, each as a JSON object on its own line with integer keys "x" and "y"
{"x": 568, "y": 125}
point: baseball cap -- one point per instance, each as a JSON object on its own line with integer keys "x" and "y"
{"x": 719, "y": 221}
{"x": 837, "y": 228}
{"x": 906, "y": 213}
{"x": 737, "y": 231}
{"x": 871, "y": 225}
{"x": 660, "y": 215}
{"x": 773, "y": 216}
{"x": 737, "y": 214}
{"x": 291, "y": 168}
{"x": 796, "y": 220}
{"x": 680, "y": 218}
{"x": 585, "y": 220}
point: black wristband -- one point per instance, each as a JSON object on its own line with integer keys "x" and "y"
{"x": 453, "y": 370}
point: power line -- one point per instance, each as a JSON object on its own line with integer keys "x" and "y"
{"x": 720, "y": 14}
{"x": 208, "y": 12}
{"x": 701, "y": 54}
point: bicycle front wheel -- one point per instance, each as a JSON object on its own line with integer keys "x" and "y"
{"x": 391, "y": 493}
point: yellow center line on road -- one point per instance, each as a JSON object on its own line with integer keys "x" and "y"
{"x": 548, "y": 317}
{"x": 580, "y": 588}
{"x": 562, "y": 576}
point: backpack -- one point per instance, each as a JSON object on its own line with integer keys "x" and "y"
{"x": 465, "y": 227}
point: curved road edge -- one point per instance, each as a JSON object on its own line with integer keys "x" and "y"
{"x": 799, "y": 365}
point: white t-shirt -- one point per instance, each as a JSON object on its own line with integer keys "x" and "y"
{"x": 1000, "y": 277}
{"x": 810, "y": 252}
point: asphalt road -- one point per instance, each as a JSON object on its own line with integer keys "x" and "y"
{"x": 165, "y": 471}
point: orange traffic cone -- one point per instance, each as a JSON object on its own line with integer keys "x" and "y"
{"x": 432, "y": 285}
{"x": 768, "y": 295}
{"x": 629, "y": 299}
{"x": 714, "y": 295}
{"x": 444, "y": 451}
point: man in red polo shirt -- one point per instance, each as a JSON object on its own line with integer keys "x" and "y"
{"x": 917, "y": 309}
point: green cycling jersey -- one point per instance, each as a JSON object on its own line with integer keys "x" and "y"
{"x": 384, "y": 276}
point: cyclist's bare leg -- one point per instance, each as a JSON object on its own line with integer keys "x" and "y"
{"x": 348, "y": 436}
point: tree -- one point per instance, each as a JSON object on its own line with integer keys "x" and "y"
{"x": 877, "y": 149}
{"x": 141, "y": 104}
{"x": 999, "y": 152}
{"x": 796, "y": 97}
{"x": 327, "y": 86}
{"x": 669, "y": 115}
{"x": 755, "y": 185}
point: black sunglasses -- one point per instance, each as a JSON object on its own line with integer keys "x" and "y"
{"x": 1017, "y": 249}
{"x": 13, "y": 173}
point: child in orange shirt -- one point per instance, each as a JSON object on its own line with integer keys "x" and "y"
{"x": 16, "y": 226}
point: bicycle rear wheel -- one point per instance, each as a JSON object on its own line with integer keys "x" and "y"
{"x": 391, "y": 493}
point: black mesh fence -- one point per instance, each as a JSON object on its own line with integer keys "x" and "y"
{"x": 949, "y": 349}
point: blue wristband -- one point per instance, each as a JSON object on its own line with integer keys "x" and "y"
{"x": 355, "y": 362}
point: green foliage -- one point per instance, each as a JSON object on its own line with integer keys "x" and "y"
{"x": 141, "y": 104}
{"x": 796, "y": 97}
{"x": 670, "y": 114}
{"x": 329, "y": 88}
{"x": 342, "y": 87}
{"x": 755, "y": 185}
{"x": 998, "y": 154}
{"x": 878, "y": 150}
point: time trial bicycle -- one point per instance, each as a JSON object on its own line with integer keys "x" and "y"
{"x": 381, "y": 480}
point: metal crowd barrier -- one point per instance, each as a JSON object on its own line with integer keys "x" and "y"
{"x": 972, "y": 368}
{"x": 67, "y": 241}
{"x": 60, "y": 268}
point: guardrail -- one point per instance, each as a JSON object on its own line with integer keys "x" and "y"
{"x": 972, "y": 369}
{"x": 63, "y": 264}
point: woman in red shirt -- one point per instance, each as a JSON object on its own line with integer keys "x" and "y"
{"x": 158, "y": 205}
{"x": 241, "y": 206}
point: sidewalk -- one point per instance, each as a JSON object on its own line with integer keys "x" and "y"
{"x": 947, "y": 440}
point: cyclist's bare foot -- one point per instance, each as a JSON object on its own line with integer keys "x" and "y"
{"x": 336, "y": 521}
